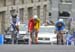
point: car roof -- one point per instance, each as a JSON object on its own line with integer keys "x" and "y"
{"x": 40, "y": 26}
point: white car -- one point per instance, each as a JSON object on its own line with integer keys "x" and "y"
{"x": 47, "y": 35}
{"x": 23, "y": 31}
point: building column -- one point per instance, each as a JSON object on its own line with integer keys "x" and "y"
{"x": 7, "y": 18}
{"x": 54, "y": 9}
{"x": 17, "y": 2}
{"x": 7, "y": 21}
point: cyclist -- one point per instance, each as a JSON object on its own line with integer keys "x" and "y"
{"x": 15, "y": 22}
{"x": 36, "y": 27}
{"x": 60, "y": 26}
{"x": 33, "y": 27}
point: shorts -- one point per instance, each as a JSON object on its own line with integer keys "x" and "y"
{"x": 34, "y": 32}
{"x": 61, "y": 31}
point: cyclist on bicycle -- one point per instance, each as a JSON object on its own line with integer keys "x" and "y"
{"x": 36, "y": 27}
{"x": 60, "y": 26}
{"x": 14, "y": 22}
{"x": 33, "y": 27}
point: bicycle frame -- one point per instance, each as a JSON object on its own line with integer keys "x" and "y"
{"x": 14, "y": 34}
{"x": 60, "y": 37}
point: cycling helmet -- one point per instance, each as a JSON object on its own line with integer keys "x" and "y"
{"x": 35, "y": 17}
{"x": 61, "y": 20}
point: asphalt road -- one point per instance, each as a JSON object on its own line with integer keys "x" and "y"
{"x": 36, "y": 48}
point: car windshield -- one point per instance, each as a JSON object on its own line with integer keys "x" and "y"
{"x": 47, "y": 30}
{"x": 22, "y": 27}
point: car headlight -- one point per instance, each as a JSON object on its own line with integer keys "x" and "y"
{"x": 43, "y": 38}
{"x": 40, "y": 38}
{"x": 47, "y": 38}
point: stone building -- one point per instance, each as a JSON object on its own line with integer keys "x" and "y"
{"x": 24, "y": 9}
{"x": 45, "y": 9}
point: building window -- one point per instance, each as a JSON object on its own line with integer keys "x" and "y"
{"x": 4, "y": 2}
{"x": 38, "y": 0}
{"x": 67, "y": 1}
{"x": 31, "y": 1}
{"x": 38, "y": 11}
{"x": 14, "y": 2}
{"x": 44, "y": 12}
{"x": 30, "y": 12}
{"x": 49, "y": 13}
{"x": 45, "y": 0}
{"x": 21, "y": 15}
{"x": 22, "y": 1}
{"x": 64, "y": 14}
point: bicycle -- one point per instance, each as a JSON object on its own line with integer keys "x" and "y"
{"x": 60, "y": 37}
{"x": 32, "y": 37}
{"x": 14, "y": 33}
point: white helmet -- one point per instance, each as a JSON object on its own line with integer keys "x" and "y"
{"x": 35, "y": 17}
{"x": 61, "y": 20}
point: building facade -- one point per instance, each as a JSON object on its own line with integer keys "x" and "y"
{"x": 62, "y": 9}
{"x": 45, "y": 9}
{"x": 24, "y": 9}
